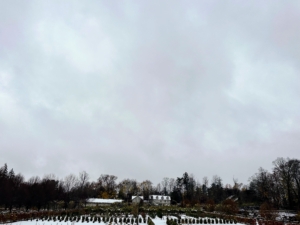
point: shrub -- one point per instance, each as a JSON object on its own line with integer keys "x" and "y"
{"x": 159, "y": 213}
{"x": 171, "y": 222}
{"x": 150, "y": 222}
{"x": 267, "y": 211}
{"x": 152, "y": 214}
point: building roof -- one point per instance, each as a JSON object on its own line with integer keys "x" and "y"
{"x": 133, "y": 197}
{"x": 102, "y": 200}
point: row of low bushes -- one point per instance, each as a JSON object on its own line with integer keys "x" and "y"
{"x": 13, "y": 217}
{"x": 172, "y": 221}
{"x": 123, "y": 208}
{"x": 72, "y": 218}
{"x": 125, "y": 219}
{"x": 200, "y": 221}
{"x": 152, "y": 211}
{"x": 148, "y": 209}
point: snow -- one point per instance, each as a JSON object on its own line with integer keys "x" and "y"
{"x": 286, "y": 214}
{"x": 101, "y": 200}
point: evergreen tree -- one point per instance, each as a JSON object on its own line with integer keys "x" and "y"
{"x": 3, "y": 171}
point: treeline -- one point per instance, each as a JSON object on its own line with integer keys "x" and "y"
{"x": 279, "y": 188}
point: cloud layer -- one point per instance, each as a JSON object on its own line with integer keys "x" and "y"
{"x": 151, "y": 89}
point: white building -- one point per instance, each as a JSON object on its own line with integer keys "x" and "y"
{"x": 101, "y": 201}
{"x": 159, "y": 200}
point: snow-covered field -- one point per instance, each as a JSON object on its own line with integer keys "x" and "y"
{"x": 157, "y": 221}
{"x": 286, "y": 214}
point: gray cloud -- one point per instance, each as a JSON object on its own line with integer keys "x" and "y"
{"x": 147, "y": 90}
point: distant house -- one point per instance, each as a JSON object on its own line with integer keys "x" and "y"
{"x": 137, "y": 199}
{"x": 159, "y": 200}
{"x": 101, "y": 201}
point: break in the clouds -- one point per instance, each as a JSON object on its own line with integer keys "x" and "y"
{"x": 149, "y": 89}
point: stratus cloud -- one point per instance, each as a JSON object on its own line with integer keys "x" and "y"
{"x": 198, "y": 87}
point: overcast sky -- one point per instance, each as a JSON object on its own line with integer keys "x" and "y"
{"x": 149, "y": 89}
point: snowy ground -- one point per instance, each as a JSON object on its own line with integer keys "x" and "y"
{"x": 281, "y": 214}
{"x": 157, "y": 221}
{"x": 286, "y": 214}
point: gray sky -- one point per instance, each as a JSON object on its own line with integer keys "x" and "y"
{"x": 149, "y": 89}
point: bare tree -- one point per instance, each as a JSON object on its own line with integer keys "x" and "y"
{"x": 171, "y": 185}
{"x": 165, "y": 184}
{"x": 83, "y": 179}
{"x": 50, "y": 176}
{"x": 260, "y": 183}
{"x": 205, "y": 181}
{"x": 158, "y": 188}
{"x": 83, "y": 183}
{"x": 19, "y": 179}
{"x": 216, "y": 180}
{"x": 146, "y": 188}
{"x": 296, "y": 179}
{"x": 205, "y": 186}
{"x": 70, "y": 182}
{"x": 108, "y": 182}
{"x": 34, "y": 180}
{"x": 236, "y": 184}
{"x": 129, "y": 187}
{"x": 284, "y": 169}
